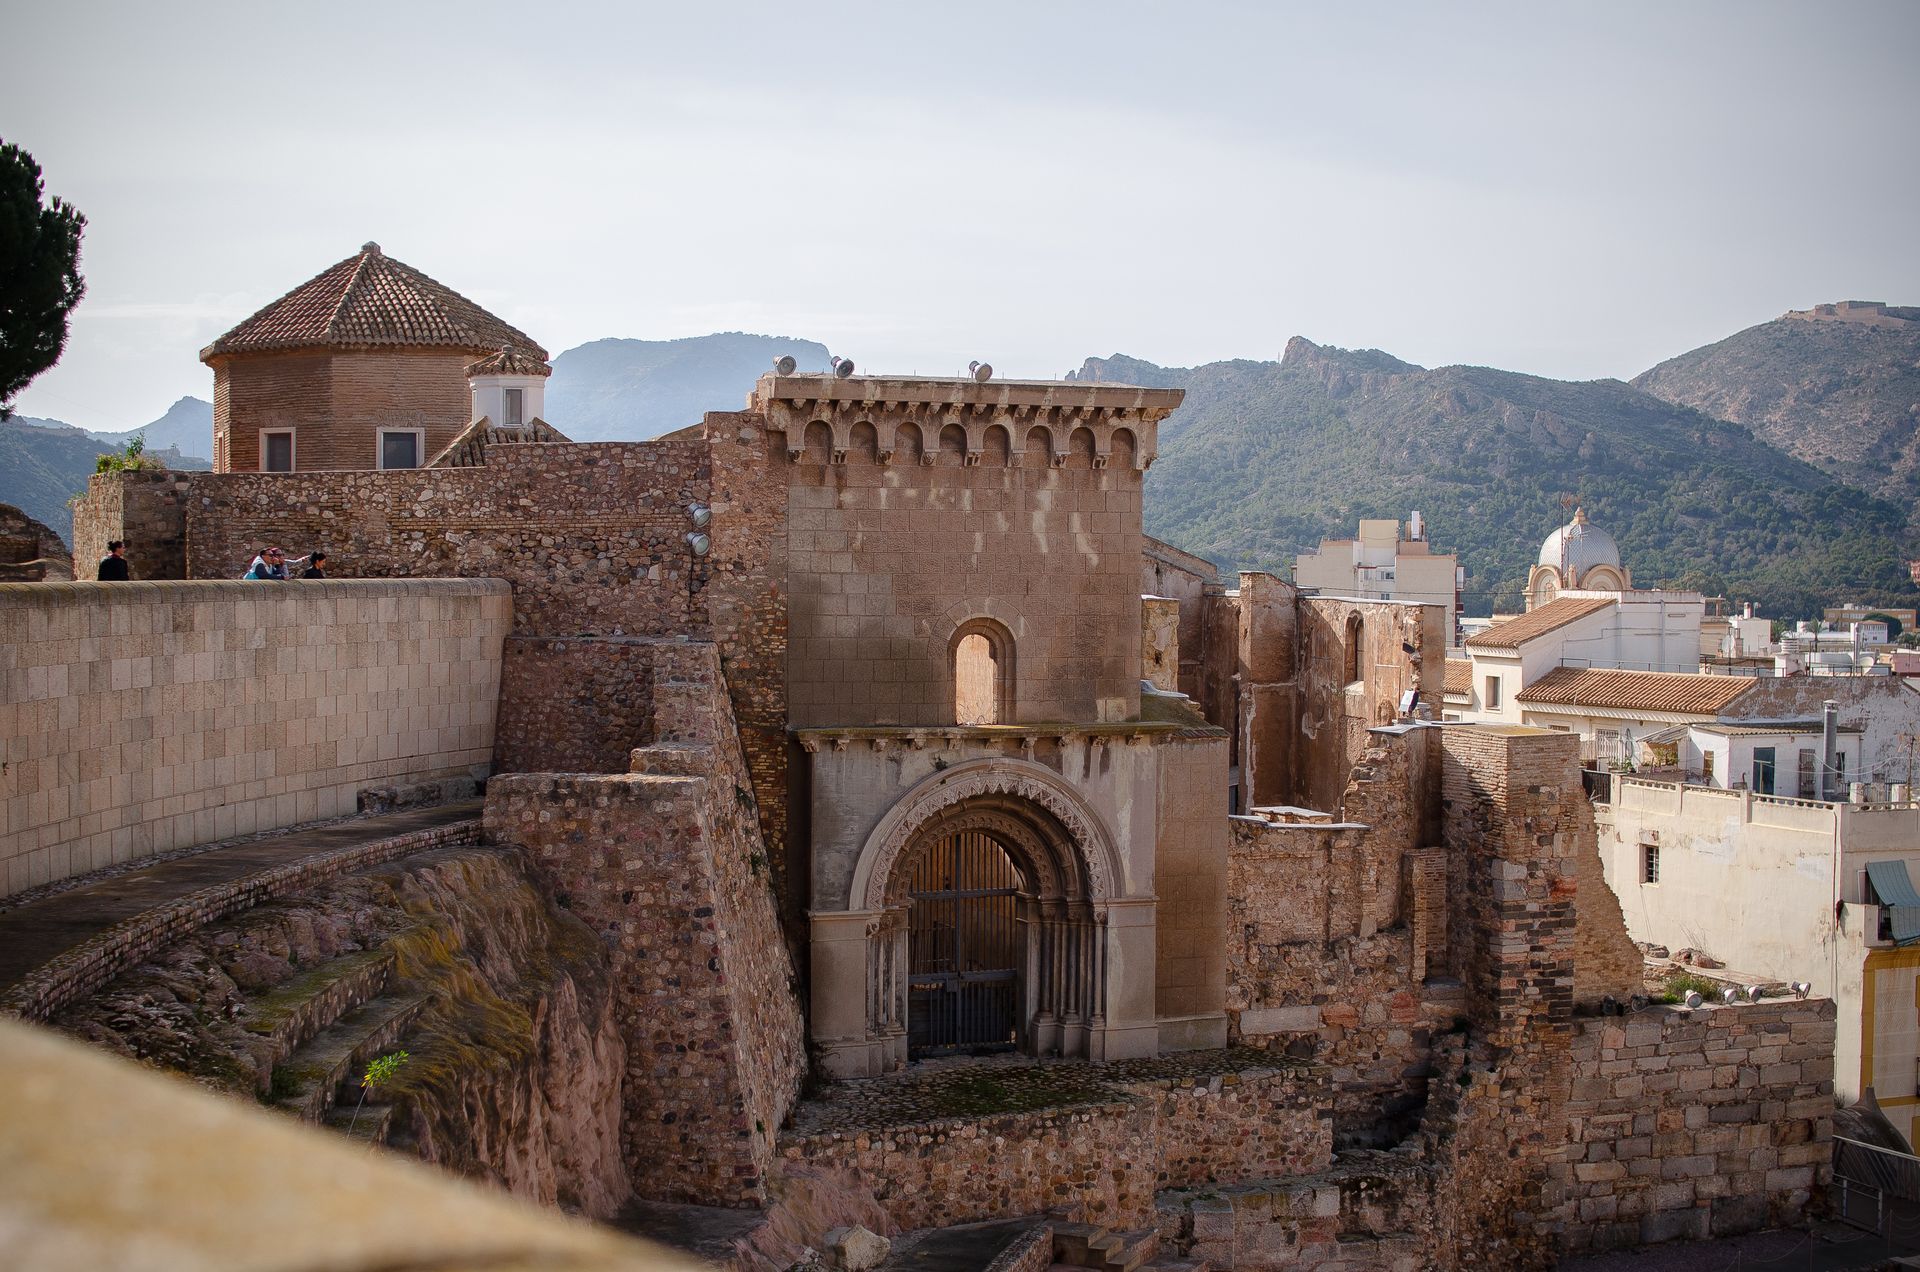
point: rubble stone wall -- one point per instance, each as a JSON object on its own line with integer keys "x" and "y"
{"x": 1096, "y": 1163}
{"x": 592, "y": 537}
{"x": 144, "y": 717}
{"x": 148, "y": 510}
{"x": 576, "y": 704}
{"x": 667, "y": 865}
{"x": 1323, "y": 961}
{"x": 1689, "y": 1124}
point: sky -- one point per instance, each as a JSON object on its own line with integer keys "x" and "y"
{"x": 1573, "y": 190}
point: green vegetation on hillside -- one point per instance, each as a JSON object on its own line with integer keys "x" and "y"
{"x": 1265, "y": 459}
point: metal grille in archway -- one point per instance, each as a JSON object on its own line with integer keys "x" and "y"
{"x": 964, "y": 948}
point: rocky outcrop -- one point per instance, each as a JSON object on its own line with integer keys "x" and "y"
{"x": 501, "y": 1004}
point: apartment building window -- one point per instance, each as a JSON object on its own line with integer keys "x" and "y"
{"x": 276, "y": 450}
{"x": 1649, "y": 863}
{"x": 402, "y": 447}
{"x": 1493, "y": 692}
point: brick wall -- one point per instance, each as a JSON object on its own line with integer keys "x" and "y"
{"x": 1098, "y": 1163}
{"x": 336, "y": 404}
{"x": 1697, "y": 1123}
{"x": 138, "y": 718}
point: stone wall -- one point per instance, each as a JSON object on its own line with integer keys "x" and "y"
{"x": 1698, "y": 1123}
{"x": 1160, "y": 642}
{"x": 148, "y": 510}
{"x": 1370, "y": 1212}
{"x": 1098, "y": 1163}
{"x": 140, "y": 718}
{"x": 31, "y": 552}
{"x": 573, "y": 704}
{"x": 592, "y": 538}
{"x": 1325, "y": 960}
{"x": 1185, "y": 579}
{"x": 666, "y": 864}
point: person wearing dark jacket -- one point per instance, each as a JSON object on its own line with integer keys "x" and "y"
{"x": 113, "y": 566}
{"x": 316, "y": 567}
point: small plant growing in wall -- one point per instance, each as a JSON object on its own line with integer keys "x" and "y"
{"x": 380, "y": 1071}
{"x": 131, "y": 458}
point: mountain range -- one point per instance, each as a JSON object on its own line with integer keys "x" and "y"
{"x": 1267, "y": 458}
{"x": 1779, "y": 465}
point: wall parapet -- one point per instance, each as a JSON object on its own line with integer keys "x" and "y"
{"x": 141, "y": 717}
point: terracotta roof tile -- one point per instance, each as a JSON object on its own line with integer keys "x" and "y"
{"x": 1518, "y": 630}
{"x": 1459, "y": 676}
{"x": 372, "y": 300}
{"x": 509, "y": 361}
{"x": 469, "y": 450}
{"x": 1636, "y": 690}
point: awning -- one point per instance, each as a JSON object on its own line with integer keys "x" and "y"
{"x": 1894, "y": 890}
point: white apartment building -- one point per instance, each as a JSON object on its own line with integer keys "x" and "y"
{"x": 1784, "y": 890}
{"x": 1381, "y": 564}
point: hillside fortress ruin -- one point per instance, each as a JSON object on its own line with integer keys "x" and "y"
{"x": 864, "y": 822}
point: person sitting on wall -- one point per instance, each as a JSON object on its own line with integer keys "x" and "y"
{"x": 272, "y": 564}
{"x": 113, "y": 566}
{"x": 316, "y": 567}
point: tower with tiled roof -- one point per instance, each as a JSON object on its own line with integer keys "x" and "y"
{"x": 362, "y": 366}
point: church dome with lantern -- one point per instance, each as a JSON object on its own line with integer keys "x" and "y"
{"x": 1578, "y": 556}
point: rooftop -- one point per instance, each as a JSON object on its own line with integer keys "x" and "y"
{"x": 371, "y": 300}
{"x": 1521, "y": 628}
{"x": 1636, "y": 690}
{"x": 1459, "y": 677}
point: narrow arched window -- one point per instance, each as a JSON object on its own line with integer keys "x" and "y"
{"x": 982, "y": 653}
{"x": 1356, "y": 643}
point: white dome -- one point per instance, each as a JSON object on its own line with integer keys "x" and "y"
{"x": 1578, "y": 546}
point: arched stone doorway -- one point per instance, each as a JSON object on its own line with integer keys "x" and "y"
{"x": 987, "y": 897}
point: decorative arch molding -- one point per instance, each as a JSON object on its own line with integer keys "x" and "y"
{"x": 998, "y": 776}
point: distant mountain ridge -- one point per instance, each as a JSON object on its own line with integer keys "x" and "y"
{"x": 1837, "y": 385}
{"x": 44, "y": 463}
{"x": 1266, "y": 458}
{"x": 631, "y": 390}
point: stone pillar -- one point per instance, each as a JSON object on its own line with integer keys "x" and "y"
{"x": 842, "y": 990}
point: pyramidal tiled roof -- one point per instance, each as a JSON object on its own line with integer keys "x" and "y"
{"x": 509, "y": 361}
{"x": 372, "y": 300}
{"x": 469, "y": 450}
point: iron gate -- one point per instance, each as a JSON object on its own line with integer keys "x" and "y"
{"x": 964, "y": 948}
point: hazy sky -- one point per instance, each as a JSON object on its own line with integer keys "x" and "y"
{"x": 1571, "y": 190}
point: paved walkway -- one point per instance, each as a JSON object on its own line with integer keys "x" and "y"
{"x": 33, "y": 934}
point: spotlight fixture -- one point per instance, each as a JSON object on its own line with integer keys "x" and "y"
{"x": 784, "y": 364}
{"x": 842, "y": 368}
{"x": 1755, "y": 993}
{"x": 700, "y": 515}
{"x": 699, "y": 543}
{"x": 1729, "y": 995}
{"x": 1694, "y": 999}
{"x": 1802, "y": 988}
{"x": 981, "y": 371}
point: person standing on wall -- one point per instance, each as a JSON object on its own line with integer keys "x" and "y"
{"x": 113, "y": 566}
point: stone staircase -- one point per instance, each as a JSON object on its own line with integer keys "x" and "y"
{"x": 322, "y": 1029}
{"x": 1086, "y": 1245}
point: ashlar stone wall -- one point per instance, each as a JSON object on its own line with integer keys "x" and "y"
{"x": 142, "y": 717}
{"x": 1696, "y": 1123}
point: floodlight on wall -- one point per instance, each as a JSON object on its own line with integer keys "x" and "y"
{"x": 1802, "y": 988}
{"x": 1755, "y": 993}
{"x": 1694, "y": 999}
{"x": 842, "y": 368}
{"x": 784, "y": 364}
{"x": 981, "y": 371}
{"x": 699, "y": 543}
{"x": 1729, "y": 995}
{"x": 700, "y": 515}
